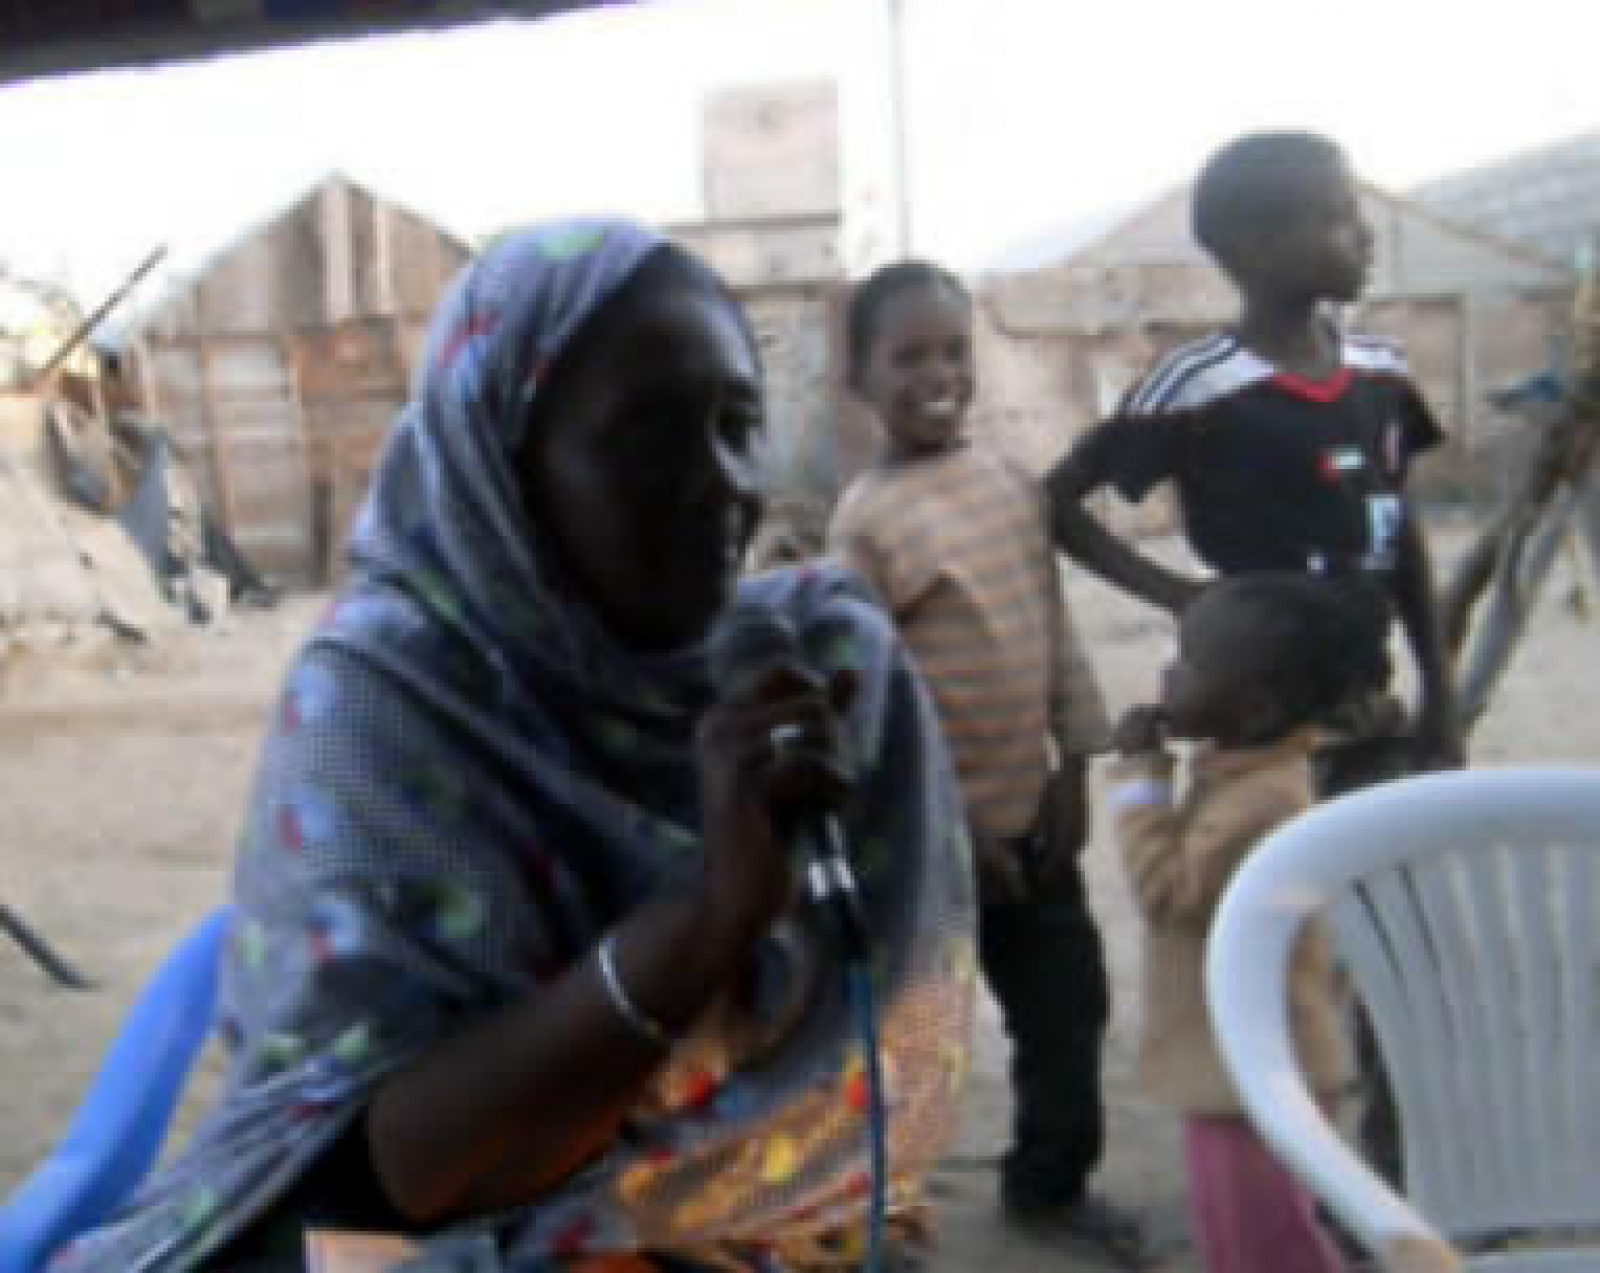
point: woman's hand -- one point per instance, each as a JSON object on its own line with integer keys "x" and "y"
{"x": 770, "y": 749}
{"x": 491, "y": 1117}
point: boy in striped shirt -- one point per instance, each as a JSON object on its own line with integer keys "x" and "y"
{"x": 954, "y": 541}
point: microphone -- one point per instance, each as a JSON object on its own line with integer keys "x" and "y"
{"x": 751, "y": 639}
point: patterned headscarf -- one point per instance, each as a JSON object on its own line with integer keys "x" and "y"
{"x": 469, "y": 780}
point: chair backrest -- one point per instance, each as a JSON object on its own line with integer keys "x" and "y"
{"x": 120, "y": 1124}
{"x": 1465, "y": 906}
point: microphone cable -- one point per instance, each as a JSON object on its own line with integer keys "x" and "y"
{"x": 755, "y": 637}
{"x": 858, "y": 989}
{"x": 839, "y": 900}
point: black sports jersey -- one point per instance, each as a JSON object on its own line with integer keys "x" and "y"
{"x": 1273, "y": 472}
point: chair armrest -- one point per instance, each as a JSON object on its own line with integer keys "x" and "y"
{"x": 119, "y": 1126}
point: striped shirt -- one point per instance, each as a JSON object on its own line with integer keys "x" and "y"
{"x": 1202, "y": 372}
{"x": 956, "y": 546}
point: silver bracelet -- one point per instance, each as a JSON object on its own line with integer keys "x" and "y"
{"x": 644, "y": 1026}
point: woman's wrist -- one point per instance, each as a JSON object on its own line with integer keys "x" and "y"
{"x": 673, "y": 955}
{"x": 645, "y": 1027}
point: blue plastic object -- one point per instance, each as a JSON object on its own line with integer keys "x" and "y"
{"x": 122, "y": 1121}
{"x": 1544, "y": 388}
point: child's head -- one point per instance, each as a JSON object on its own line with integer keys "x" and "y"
{"x": 1262, "y": 655}
{"x": 1281, "y": 215}
{"x": 908, "y": 339}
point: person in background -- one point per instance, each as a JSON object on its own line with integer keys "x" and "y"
{"x": 1262, "y": 659}
{"x": 1290, "y": 444}
{"x": 953, "y": 539}
{"x": 1288, "y": 441}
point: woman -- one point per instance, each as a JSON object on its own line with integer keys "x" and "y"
{"x": 519, "y": 962}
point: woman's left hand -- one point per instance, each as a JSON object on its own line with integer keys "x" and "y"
{"x": 492, "y": 1116}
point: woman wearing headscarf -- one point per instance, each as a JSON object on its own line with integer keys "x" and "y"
{"x": 519, "y": 968}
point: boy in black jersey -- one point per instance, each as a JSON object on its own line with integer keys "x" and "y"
{"x": 1288, "y": 442}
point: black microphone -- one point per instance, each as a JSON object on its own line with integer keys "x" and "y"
{"x": 751, "y": 639}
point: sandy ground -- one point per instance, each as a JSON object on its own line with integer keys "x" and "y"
{"x": 121, "y": 787}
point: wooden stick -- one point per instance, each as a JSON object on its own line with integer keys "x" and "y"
{"x": 1520, "y": 574}
{"x": 1563, "y": 457}
{"x": 1460, "y": 597}
{"x": 1563, "y": 463}
{"x": 1589, "y": 526}
{"x": 216, "y": 445}
{"x": 83, "y": 329}
{"x": 61, "y": 972}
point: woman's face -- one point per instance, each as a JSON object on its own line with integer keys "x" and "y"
{"x": 643, "y": 464}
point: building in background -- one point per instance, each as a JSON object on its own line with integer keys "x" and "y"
{"x": 280, "y": 363}
{"x": 1546, "y": 200}
{"x": 773, "y": 228}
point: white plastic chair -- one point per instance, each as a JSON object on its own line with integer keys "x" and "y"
{"x": 1466, "y": 907}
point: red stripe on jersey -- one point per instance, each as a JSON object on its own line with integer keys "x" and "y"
{"x": 1329, "y": 390}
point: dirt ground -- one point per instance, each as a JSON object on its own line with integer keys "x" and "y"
{"x": 121, "y": 786}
